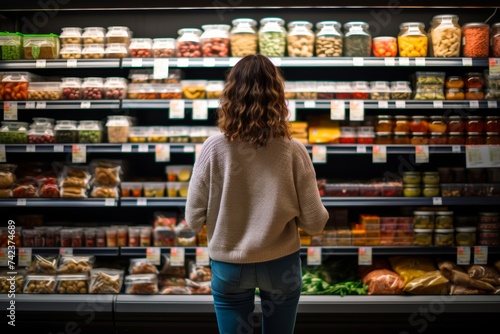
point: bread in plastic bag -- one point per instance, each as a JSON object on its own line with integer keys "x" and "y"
{"x": 383, "y": 282}
{"x": 429, "y": 283}
{"x": 410, "y": 267}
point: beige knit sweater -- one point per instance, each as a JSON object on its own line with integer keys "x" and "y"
{"x": 253, "y": 200}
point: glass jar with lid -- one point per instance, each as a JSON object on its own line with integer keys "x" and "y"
{"x": 475, "y": 138}
{"x": 243, "y": 39}
{"x": 188, "y": 43}
{"x": 474, "y": 80}
{"x": 357, "y": 39}
{"x": 474, "y": 123}
{"x": 164, "y": 47}
{"x": 385, "y": 46}
{"x": 419, "y": 138}
{"x": 492, "y": 138}
{"x": 495, "y": 40}
{"x": 419, "y": 123}
{"x": 422, "y": 237}
{"x": 423, "y": 219}
{"x": 492, "y": 124}
{"x": 384, "y": 123}
{"x": 412, "y": 190}
{"x": 465, "y": 236}
{"x": 118, "y": 34}
{"x": 384, "y": 138}
{"x": 412, "y": 177}
{"x": 401, "y": 138}
{"x": 89, "y": 132}
{"x": 401, "y": 124}
{"x": 300, "y": 39}
{"x": 454, "y": 94}
{"x": 94, "y": 35}
{"x": 65, "y": 132}
{"x": 444, "y": 237}
{"x": 438, "y": 138}
{"x": 474, "y": 94}
{"x": 430, "y": 190}
{"x": 412, "y": 40}
{"x": 445, "y": 36}
{"x": 329, "y": 39}
{"x": 476, "y": 39}
{"x": 71, "y": 35}
{"x": 456, "y": 138}
{"x": 443, "y": 219}
{"x": 141, "y": 48}
{"x": 272, "y": 37}
{"x": 437, "y": 124}
{"x": 455, "y": 123}
{"x": 454, "y": 81}
{"x": 118, "y": 127}
{"x": 92, "y": 88}
{"x": 215, "y": 40}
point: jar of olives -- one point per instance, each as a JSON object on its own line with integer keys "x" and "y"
{"x": 65, "y": 132}
{"x": 357, "y": 39}
{"x": 89, "y": 132}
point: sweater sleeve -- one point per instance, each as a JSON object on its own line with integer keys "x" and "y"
{"x": 197, "y": 199}
{"x": 313, "y": 214}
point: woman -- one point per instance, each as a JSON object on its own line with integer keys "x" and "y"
{"x": 253, "y": 186}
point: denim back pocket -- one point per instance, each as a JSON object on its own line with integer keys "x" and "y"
{"x": 226, "y": 277}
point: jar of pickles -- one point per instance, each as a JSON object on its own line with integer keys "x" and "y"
{"x": 188, "y": 43}
{"x": 300, "y": 39}
{"x": 445, "y": 34}
{"x": 430, "y": 190}
{"x": 412, "y": 177}
{"x": 215, "y": 40}
{"x": 243, "y": 37}
{"x": 474, "y": 123}
{"x": 412, "y": 40}
{"x": 329, "y": 39}
{"x": 495, "y": 40}
{"x": 423, "y": 219}
{"x": 455, "y": 123}
{"x": 422, "y": 237}
{"x": 357, "y": 39}
{"x": 272, "y": 37}
{"x": 443, "y": 219}
{"x": 444, "y": 237}
{"x": 430, "y": 178}
{"x": 465, "y": 236}
{"x": 476, "y": 39}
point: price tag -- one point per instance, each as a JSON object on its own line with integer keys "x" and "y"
{"x": 292, "y": 111}
{"x": 463, "y": 255}
{"x": 66, "y": 251}
{"x": 3, "y": 156}
{"x": 3, "y": 257}
{"x": 309, "y": 104}
{"x": 356, "y": 110}
{"x": 403, "y": 61}
{"x": 143, "y": 148}
{"x": 476, "y": 156}
{"x": 383, "y": 104}
{"x": 41, "y": 105}
{"x": 126, "y": 148}
{"x": 494, "y": 65}
{"x": 188, "y": 149}
{"x": 160, "y": 68}
{"x": 177, "y": 256}
{"x": 361, "y": 149}
{"x": 21, "y": 202}
{"x": 276, "y": 61}
{"x": 71, "y": 63}
{"x": 213, "y": 104}
{"x": 337, "y": 110}
{"x": 183, "y": 62}
{"x": 437, "y": 104}
{"x": 358, "y": 61}
{"x": 41, "y": 63}
{"x": 319, "y": 154}
{"x": 389, "y": 61}
{"x": 480, "y": 254}
{"x": 466, "y": 61}
{"x": 202, "y": 258}
{"x": 153, "y": 255}
{"x": 30, "y": 105}
{"x": 419, "y": 61}
{"x": 208, "y": 62}
{"x": 474, "y": 104}
{"x": 421, "y": 154}
{"x": 177, "y": 110}
{"x": 233, "y": 61}
{"x": 492, "y": 104}
{"x": 10, "y": 111}
{"x": 313, "y": 256}
{"x": 58, "y": 148}
{"x": 30, "y": 148}
{"x": 109, "y": 202}
{"x": 200, "y": 109}
{"x": 85, "y": 105}
{"x": 142, "y": 202}
{"x": 23, "y": 256}
{"x": 162, "y": 152}
{"x": 364, "y": 256}
{"x": 379, "y": 153}
{"x": 400, "y": 104}
{"x": 494, "y": 155}
{"x": 136, "y": 62}
{"x": 79, "y": 153}
{"x": 437, "y": 201}
{"x": 456, "y": 149}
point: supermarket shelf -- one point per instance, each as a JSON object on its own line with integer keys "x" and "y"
{"x": 60, "y": 63}
{"x": 165, "y": 104}
{"x": 58, "y": 202}
{"x": 65, "y": 104}
{"x": 395, "y": 250}
{"x": 390, "y": 149}
{"x": 314, "y": 62}
{"x": 98, "y": 251}
{"x": 408, "y": 201}
{"x": 98, "y": 148}
{"x": 153, "y": 201}
{"x": 60, "y": 302}
{"x": 141, "y": 251}
{"x": 400, "y": 104}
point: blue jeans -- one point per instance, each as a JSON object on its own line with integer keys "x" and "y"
{"x": 233, "y": 289}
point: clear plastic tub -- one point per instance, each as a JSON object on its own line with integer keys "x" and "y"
{"x": 71, "y": 88}
{"x": 171, "y": 91}
{"x": 90, "y": 132}
{"x": 157, "y": 134}
{"x": 93, "y": 51}
{"x": 15, "y": 85}
{"x": 214, "y": 89}
{"x": 71, "y": 35}
{"x": 177, "y": 189}
{"x": 92, "y": 88}
{"x": 118, "y": 34}
{"x": 131, "y": 189}
{"x": 153, "y": 189}
{"x": 164, "y": 47}
{"x": 44, "y": 91}
{"x": 380, "y": 90}
{"x": 71, "y": 51}
{"x": 115, "y": 88}
{"x": 41, "y": 46}
{"x": 94, "y": 35}
{"x": 141, "y": 48}
{"x": 11, "y": 47}
{"x": 65, "y": 131}
{"x": 139, "y": 134}
{"x": 194, "y": 89}
{"x": 41, "y": 134}
{"x": 116, "y": 50}
{"x": 118, "y": 127}
{"x": 179, "y": 173}
{"x": 13, "y": 132}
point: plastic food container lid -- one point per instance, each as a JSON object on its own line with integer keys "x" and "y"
{"x": 467, "y": 229}
{"x": 444, "y": 230}
{"x": 423, "y": 212}
{"x": 443, "y": 213}
{"x": 423, "y": 230}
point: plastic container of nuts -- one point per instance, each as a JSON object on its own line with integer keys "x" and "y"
{"x": 243, "y": 37}
{"x": 115, "y": 88}
{"x": 118, "y": 34}
{"x": 300, "y": 39}
{"x": 164, "y": 47}
{"x": 93, "y": 51}
{"x": 71, "y": 35}
{"x": 116, "y": 50}
{"x": 71, "y": 51}
{"x": 141, "y": 48}
{"x": 188, "y": 43}
{"x": 215, "y": 40}
{"x": 94, "y": 35}
{"x": 118, "y": 127}
{"x": 44, "y": 91}
{"x": 329, "y": 39}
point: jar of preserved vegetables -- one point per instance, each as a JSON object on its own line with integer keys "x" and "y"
{"x": 357, "y": 39}
{"x": 272, "y": 37}
{"x": 243, "y": 37}
{"x": 455, "y": 123}
{"x": 412, "y": 40}
{"x": 476, "y": 40}
{"x": 445, "y": 34}
{"x": 474, "y": 123}
{"x": 329, "y": 39}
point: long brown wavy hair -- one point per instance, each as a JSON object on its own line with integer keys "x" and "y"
{"x": 253, "y": 107}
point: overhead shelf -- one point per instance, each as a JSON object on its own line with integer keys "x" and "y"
{"x": 98, "y": 148}
{"x": 98, "y": 251}
{"x": 58, "y": 202}
{"x": 60, "y": 63}
{"x": 64, "y": 104}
